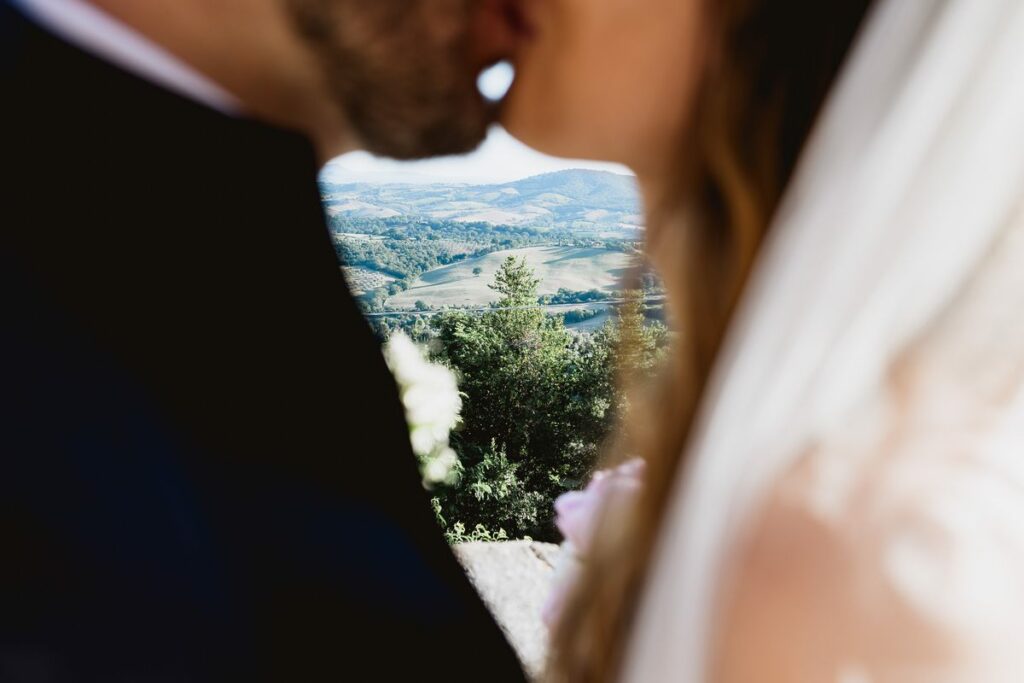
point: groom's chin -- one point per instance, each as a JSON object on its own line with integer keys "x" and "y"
{"x": 456, "y": 126}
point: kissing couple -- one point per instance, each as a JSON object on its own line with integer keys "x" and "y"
{"x": 193, "y": 406}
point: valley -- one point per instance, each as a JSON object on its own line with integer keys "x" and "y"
{"x": 416, "y": 247}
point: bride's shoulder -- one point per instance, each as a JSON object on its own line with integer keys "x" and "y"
{"x": 905, "y": 568}
{"x": 894, "y": 546}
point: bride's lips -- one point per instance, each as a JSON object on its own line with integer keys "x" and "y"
{"x": 500, "y": 28}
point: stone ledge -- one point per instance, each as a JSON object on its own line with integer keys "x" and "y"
{"x": 514, "y": 578}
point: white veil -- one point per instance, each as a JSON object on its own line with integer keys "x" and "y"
{"x": 911, "y": 174}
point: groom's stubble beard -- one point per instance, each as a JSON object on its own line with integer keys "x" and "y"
{"x": 400, "y": 71}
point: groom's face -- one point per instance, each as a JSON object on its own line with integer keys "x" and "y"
{"x": 404, "y": 72}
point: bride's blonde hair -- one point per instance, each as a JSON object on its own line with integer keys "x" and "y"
{"x": 770, "y": 67}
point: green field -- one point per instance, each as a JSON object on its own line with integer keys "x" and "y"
{"x": 572, "y": 268}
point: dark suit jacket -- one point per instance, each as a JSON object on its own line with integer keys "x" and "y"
{"x": 205, "y": 471}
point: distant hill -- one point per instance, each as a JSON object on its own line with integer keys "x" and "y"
{"x": 583, "y": 199}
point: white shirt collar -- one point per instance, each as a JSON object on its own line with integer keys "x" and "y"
{"x": 95, "y": 31}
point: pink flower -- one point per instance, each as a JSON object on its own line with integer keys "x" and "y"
{"x": 577, "y": 516}
{"x": 577, "y": 512}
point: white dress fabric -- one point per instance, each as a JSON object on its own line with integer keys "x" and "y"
{"x": 853, "y": 509}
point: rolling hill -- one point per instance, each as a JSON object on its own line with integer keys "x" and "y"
{"x": 572, "y": 268}
{"x": 576, "y": 199}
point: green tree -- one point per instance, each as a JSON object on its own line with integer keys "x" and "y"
{"x": 536, "y": 407}
{"x": 636, "y": 342}
{"x": 516, "y": 284}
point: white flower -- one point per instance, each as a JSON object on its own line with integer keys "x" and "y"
{"x": 430, "y": 396}
{"x": 442, "y": 468}
{"x": 423, "y": 441}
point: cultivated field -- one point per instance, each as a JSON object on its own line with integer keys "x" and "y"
{"x": 363, "y": 279}
{"x": 572, "y": 268}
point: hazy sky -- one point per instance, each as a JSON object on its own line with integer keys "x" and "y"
{"x": 500, "y": 159}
